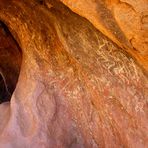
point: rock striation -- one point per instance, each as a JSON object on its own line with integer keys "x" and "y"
{"x": 82, "y": 81}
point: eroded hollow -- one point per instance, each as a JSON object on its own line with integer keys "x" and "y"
{"x": 10, "y": 63}
{"x": 4, "y": 93}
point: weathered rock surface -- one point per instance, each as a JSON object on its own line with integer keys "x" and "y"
{"x": 132, "y": 17}
{"x": 123, "y": 21}
{"x": 78, "y": 87}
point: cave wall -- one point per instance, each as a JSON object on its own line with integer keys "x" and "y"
{"x": 80, "y": 83}
{"x": 123, "y": 21}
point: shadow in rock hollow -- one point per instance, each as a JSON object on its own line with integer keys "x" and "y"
{"x": 10, "y": 63}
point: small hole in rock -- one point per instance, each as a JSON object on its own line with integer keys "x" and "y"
{"x": 41, "y": 2}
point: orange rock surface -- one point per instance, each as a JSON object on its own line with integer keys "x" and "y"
{"x": 83, "y": 82}
{"x": 123, "y": 21}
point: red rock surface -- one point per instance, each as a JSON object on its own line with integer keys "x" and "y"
{"x": 78, "y": 87}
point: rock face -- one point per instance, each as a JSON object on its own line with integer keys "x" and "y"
{"x": 81, "y": 83}
{"x": 123, "y": 21}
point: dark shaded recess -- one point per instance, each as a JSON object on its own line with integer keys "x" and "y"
{"x": 4, "y": 93}
{"x": 41, "y": 2}
{"x": 10, "y": 63}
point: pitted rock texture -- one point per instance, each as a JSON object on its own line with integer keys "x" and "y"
{"x": 77, "y": 88}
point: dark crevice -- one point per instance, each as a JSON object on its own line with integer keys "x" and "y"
{"x": 5, "y": 30}
{"x": 41, "y": 2}
{"x": 5, "y": 95}
{"x": 10, "y": 63}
